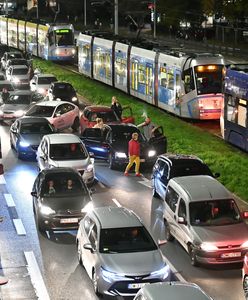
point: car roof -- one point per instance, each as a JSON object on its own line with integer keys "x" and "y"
{"x": 64, "y": 138}
{"x": 174, "y": 290}
{"x": 22, "y": 92}
{"x": 116, "y": 217}
{"x": 27, "y": 119}
{"x": 61, "y": 82}
{"x": 177, "y": 157}
{"x": 202, "y": 187}
{"x": 45, "y": 75}
{"x": 19, "y": 67}
{"x": 96, "y": 108}
{"x": 53, "y": 103}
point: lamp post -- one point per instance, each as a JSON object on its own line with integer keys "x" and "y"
{"x": 85, "y": 6}
{"x": 6, "y": 7}
{"x": 116, "y": 17}
{"x": 37, "y": 9}
{"x": 154, "y": 19}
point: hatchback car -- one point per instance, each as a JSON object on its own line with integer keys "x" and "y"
{"x": 204, "y": 218}
{"x": 118, "y": 252}
{"x": 60, "y": 114}
{"x": 26, "y": 134}
{"x": 92, "y": 112}
{"x": 64, "y": 91}
{"x": 65, "y": 150}
{"x": 60, "y": 199}
{"x": 112, "y": 144}
{"x": 18, "y": 75}
{"x": 175, "y": 290}
{"x": 168, "y": 166}
{"x": 41, "y": 82}
{"x": 16, "y": 62}
{"x": 9, "y": 55}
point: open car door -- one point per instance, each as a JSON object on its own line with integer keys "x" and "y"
{"x": 95, "y": 142}
{"x": 127, "y": 115}
{"x": 159, "y": 141}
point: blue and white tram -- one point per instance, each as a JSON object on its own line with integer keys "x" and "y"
{"x": 49, "y": 41}
{"x": 189, "y": 86}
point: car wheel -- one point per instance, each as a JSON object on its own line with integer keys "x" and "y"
{"x": 75, "y": 125}
{"x": 245, "y": 287}
{"x": 95, "y": 284}
{"x": 79, "y": 252}
{"x": 112, "y": 164}
{"x": 168, "y": 234}
{"x": 193, "y": 258}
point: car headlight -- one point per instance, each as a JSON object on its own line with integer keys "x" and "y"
{"x": 73, "y": 51}
{"x": 245, "y": 245}
{"x": 41, "y": 90}
{"x": 151, "y": 153}
{"x": 208, "y": 247}
{"x": 46, "y": 210}
{"x": 74, "y": 99}
{"x": 88, "y": 207}
{"x": 111, "y": 276}
{"x": 19, "y": 113}
{"x": 89, "y": 168}
{"x": 163, "y": 272}
{"x": 16, "y": 80}
{"x": 120, "y": 155}
{"x": 24, "y": 144}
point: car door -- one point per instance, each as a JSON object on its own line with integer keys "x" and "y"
{"x": 43, "y": 153}
{"x": 159, "y": 141}
{"x": 59, "y": 119}
{"x": 127, "y": 115}
{"x": 15, "y": 133}
{"x": 171, "y": 202}
{"x": 162, "y": 178}
{"x": 33, "y": 83}
{"x": 69, "y": 113}
{"x": 36, "y": 190}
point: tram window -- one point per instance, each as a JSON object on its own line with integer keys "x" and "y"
{"x": 188, "y": 81}
{"x": 242, "y": 116}
{"x": 231, "y": 108}
{"x": 51, "y": 38}
{"x": 141, "y": 74}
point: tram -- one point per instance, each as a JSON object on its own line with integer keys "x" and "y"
{"x": 234, "y": 114}
{"x": 186, "y": 84}
{"x": 49, "y": 41}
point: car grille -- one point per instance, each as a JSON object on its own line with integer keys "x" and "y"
{"x": 69, "y": 213}
{"x": 229, "y": 247}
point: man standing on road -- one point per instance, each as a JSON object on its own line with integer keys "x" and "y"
{"x": 134, "y": 154}
{"x": 148, "y": 127}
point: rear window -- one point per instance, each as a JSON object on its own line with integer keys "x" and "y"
{"x": 189, "y": 167}
{"x": 46, "y": 80}
{"x": 23, "y": 71}
{"x": 18, "y": 99}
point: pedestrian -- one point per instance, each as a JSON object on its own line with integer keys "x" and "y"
{"x": 148, "y": 127}
{"x": 116, "y": 107}
{"x": 134, "y": 154}
{"x": 5, "y": 95}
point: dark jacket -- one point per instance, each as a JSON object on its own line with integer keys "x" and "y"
{"x": 117, "y": 109}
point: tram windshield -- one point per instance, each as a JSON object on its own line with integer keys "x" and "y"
{"x": 208, "y": 79}
{"x": 64, "y": 37}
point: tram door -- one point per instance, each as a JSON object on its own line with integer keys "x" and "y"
{"x": 134, "y": 79}
{"x": 149, "y": 80}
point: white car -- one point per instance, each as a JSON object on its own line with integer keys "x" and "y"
{"x": 9, "y": 55}
{"x": 18, "y": 75}
{"x": 65, "y": 150}
{"x": 41, "y": 82}
{"x": 60, "y": 114}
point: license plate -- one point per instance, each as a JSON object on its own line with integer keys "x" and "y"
{"x": 142, "y": 160}
{"x": 136, "y": 285}
{"x": 69, "y": 220}
{"x": 231, "y": 254}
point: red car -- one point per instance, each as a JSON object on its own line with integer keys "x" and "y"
{"x": 90, "y": 113}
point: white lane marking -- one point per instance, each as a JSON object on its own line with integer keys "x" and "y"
{"x": 9, "y": 200}
{"x": 19, "y": 227}
{"x": 147, "y": 183}
{"x": 36, "y": 277}
{"x": 116, "y": 202}
{"x": 175, "y": 271}
{"x": 2, "y": 179}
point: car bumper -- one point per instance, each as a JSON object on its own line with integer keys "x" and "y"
{"x": 29, "y": 152}
{"x": 61, "y": 222}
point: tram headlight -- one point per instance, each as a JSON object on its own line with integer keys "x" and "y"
{"x": 57, "y": 52}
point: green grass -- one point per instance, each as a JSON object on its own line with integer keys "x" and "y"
{"x": 221, "y": 157}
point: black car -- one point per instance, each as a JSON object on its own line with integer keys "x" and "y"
{"x": 169, "y": 166}
{"x": 26, "y": 134}
{"x": 111, "y": 144}
{"x": 63, "y": 91}
{"x": 60, "y": 199}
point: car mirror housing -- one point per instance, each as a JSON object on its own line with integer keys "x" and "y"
{"x": 181, "y": 220}
{"x": 162, "y": 242}
{"x": 34, "y": 194}
{"x": 88, "y": 247}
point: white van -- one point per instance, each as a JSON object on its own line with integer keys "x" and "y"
{"x": 204, "y": 217}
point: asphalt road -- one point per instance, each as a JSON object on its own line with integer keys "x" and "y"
{"x": 26, "y": 253}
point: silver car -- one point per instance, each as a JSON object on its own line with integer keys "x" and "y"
{"x": 65, "y": 150}
{"x": 18, "y": 75}
{"x": 118, "y": 253}
{"x": 41, "y": 82}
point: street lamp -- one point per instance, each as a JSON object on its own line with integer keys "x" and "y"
{"x": 85, "y": 6}
{"x": 116, "y": 17}
{"x": 154, "y": 19}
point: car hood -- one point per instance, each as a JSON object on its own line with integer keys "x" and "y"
{"x": 14, "y": 107}
{"x": 78, "y": 164}
{"x": 137, "y": 263}
{"x": 221, "y": 235}
{"x": 32, "y": 139}
{"x": 72, "y": 202}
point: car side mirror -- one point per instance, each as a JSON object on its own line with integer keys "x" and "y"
{"x": 91, "y": 154}
{"x": 162, "y": 242}
{"x": 14, "y": 130}
{"x": 34, "y": 194}
{"x": 57, "y": 115}
{"x": 89, "y": 247}
{"x": 181, "y": 220}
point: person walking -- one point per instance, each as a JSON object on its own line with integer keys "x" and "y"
{"x": 116, "y": 107}
{"x": 5, "y": 95}
{"x": 134, "y": 154}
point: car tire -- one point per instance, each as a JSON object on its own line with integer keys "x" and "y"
{"x": 75, "y": 125}
{"x": 168, "y": 234}
{"x": 112, "y": 164}
{"x": 193, "y": 258}
{"x": 95, "y": 284}
{"x": 79, "y": 252}
{"x": 245, "y": 287}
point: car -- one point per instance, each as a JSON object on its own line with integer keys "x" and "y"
{"x": 175, "y": 290}
{"x": 118, "y": 252}
{"x": 18, "y": 75}
{"x": 16, "y": 62}
{"x": 65, "y": 150}
{"x": 64, "y": 91}
{"x": 9, "y": 55}
{"x": 171, "y": 165}
{"x": 245, "y": 276}
{"x": 203, "y": 216}
{"x": 41, "y": 82}
{"x": 60, "y": 114}
{"x": 17, "y": 104}
{"x": 26, "y": 134}
{"x": 91, "y": 112}
{"x": 63, "y": 208}
{"x": 112, "y": 144}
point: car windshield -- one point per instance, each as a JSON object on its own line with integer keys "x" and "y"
{"x": 214, "y": 213}
{"x": 126, "y": 240}
{"x": 14, "y": 55}
{"x": 46, "y": 80}
{"x": 60, "y": 184}
{"x": 18, "y": 99}
{"x": 18, "y": 62}
{"x": 189, "y": 167}
{"x": 125, "y": 133}
{"x": 36, "y": 128}
{"x": 68, "y": 151}
{"x": 23, "y": 71}
{"x": 107, "y": 116}
{"x": 40, "y": 111}
{"x": 9, "y": 87}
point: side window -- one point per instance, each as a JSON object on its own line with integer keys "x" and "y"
{"x": 182, "y": 209}
{"x": 44, "y": 147}
{"x": 61, "y": 109}
{"x": 93, "y": 237}
{"x": 171, "y": 198}
{"x": 188, "y": 80}
{"x": 88, "y": 224}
